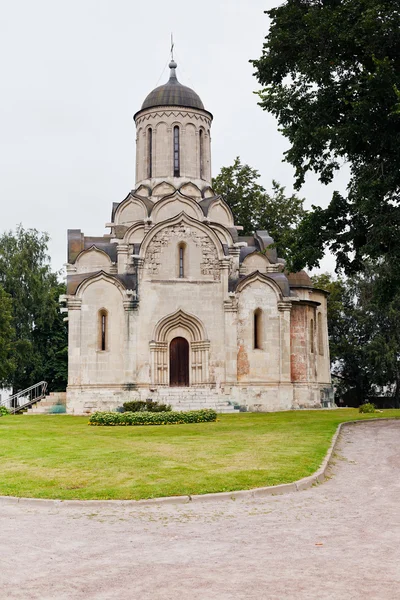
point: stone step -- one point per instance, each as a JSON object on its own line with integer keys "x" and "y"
{"x": 44, "y": 406}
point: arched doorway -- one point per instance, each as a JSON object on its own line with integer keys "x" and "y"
{"x": 179, "y": 362}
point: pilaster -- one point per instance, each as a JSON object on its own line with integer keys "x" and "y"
{"x": 284, "y": 307}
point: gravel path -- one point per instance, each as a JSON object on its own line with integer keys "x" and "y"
{"x": 340, "y": 540}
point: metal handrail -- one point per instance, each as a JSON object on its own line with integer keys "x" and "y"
{"x": 26, "y": 397}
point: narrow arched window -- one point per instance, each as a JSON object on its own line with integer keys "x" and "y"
{"x": 176, "y": 152}
{"x": 201, "y": 153}
{"x": 320, "y": 335}
{"x": 181, "y": 260}
{"x": 312, "y": 335}
{"x": 257, "y": 329}
{"x": 103, "y": 330}
{"x": 149, "y": 153}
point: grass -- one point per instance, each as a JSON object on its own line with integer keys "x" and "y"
{"x": 62, "y": 457}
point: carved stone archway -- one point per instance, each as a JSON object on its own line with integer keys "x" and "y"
{"x": 180, "y": 324}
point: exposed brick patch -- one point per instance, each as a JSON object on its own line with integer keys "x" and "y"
{"x": 298, "y": 343}
{"x": 243, "y": 365}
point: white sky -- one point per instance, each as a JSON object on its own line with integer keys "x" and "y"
{"x": 74, "y": 73}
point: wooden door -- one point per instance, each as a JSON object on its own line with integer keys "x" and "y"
{"x": 179, "y": 362}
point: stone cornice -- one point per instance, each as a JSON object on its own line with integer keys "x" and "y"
{"x": 285, "y": 305}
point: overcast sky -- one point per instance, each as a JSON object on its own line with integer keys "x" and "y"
{"x": 74, "y": 73}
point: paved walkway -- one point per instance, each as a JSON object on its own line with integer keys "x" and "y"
{"x": 340, "y": 540}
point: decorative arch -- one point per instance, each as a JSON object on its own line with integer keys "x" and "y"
{"x": 220, "y": 212}
{"x": 101, "y": 276}
{"x": 130, "y": 210}
{"x": 257, "y": 276}
{"x": 180, "y": 318}
{"x": 223, "y": 233}
{"x": 180, "y": 324}
{"x": 92, "y": 260}
{"x": 159, "y": 124}
{"x": 207, "y": 192}
{"x": 190, "y": 189}
{"x": 175, "y": 204}
{"x": 143, "y": 190}
{"x": 163, "y": 188}
{"x": 181, "y": 218}
{"x": 255, "y": 262}
{"x": 134, "y": 234}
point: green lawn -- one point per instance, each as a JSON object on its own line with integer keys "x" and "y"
{"x": 62, "y": 457}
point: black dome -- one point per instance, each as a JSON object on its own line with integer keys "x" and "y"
{"x": 173, "y": 93}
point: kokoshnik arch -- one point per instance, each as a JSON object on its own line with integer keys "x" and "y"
{"x": 174, "y": 304}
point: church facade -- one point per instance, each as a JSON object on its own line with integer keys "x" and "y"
{"x": 174, "y": 304}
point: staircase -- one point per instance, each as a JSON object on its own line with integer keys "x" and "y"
{"x": 189, "y": 398}
{"x": 53, "y": 404}
{"x": 25, "y": 398}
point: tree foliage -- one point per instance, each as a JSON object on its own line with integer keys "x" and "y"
{"x": 254, "y": 209}
{"x": 364, "y": 335}
{"x": 7, "y": 333}
{"x": 330, "y": 71}
{"x": 40, "y": 334}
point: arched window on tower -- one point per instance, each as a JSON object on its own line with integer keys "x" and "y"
{"x": 181, "y": 260}
{"x": 201, "y": 153}
{"x": 149, "y": 153}
{"x": 312, "y": 336}
{"x": 258, "y": 329}
{"x": 103, "y": 330}
{"x": 320, "y": 335}
{"x": 176, "y": 152}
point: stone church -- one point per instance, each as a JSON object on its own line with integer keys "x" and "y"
{"x": 173, "y": 304}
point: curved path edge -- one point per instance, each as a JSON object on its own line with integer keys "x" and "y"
{"x": 319, "y": 476}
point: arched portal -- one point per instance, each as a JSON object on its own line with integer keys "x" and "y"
{"x": 194, "y": 349}
{"x": 179, "y": 362}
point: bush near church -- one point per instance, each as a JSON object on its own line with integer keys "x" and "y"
{"x": 150, "y": 418}
{"x": 367, "y": 407}
{"x": 145, "y": 406}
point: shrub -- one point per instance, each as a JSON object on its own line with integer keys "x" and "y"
{"x": 368, "y": 407}
{"x": 148, "y": 405}
{"x": 149, "y": 418}
{"x": 4, "y": 411}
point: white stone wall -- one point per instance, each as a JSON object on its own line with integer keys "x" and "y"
{"x": 262, "y": 364}
{"x": 88, "y": 363}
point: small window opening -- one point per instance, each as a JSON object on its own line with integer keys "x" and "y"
{"x": 201, "y": 144}
{"x": 312, "y": 335}
{"x": 103, "y": 333}
{"x": 320, "y": 335}
{"x": 176, "y": 152}
{"x": 257, "y": 329}
{"x": 150, "y": 153}
{"x": 181, "y": 250}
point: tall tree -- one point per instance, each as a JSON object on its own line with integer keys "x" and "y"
{"x": 25, "y": 274}
{"x": 330, "y": 71}
{"x": 7, "y": 335}
{"x": 364, "y": 336}
{"x": 254, "y": 208}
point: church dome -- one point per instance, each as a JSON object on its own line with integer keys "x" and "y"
{"x": 173, "y": 93}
